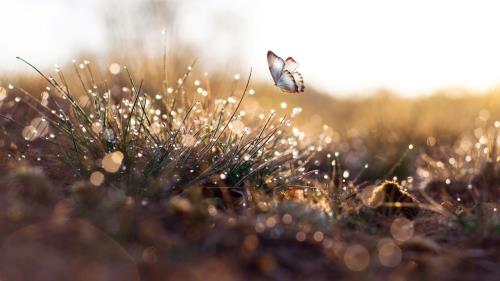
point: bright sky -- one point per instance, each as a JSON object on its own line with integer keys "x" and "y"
{"x": 342, "y": 46}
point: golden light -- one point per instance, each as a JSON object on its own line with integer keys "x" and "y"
{"x": 188, "y": 140}
{"x": 237, "y": 127}
{"x": 41, "y": 125}
{"x": 30, "y": 133}
{"x": 83, "y": 101}
{"x": 112, "y": 161}
{"x": 114, "y": 68}
{"x": 411, "y": 48}
{"x": 97, "y": 127}
{"x": 389, "y": 254}
{"x": 155, "y": 128}
{"x": 3, "y": 93}
{"x": 96, "y": 178}
{"x": 402, "y": 229}
{"x": 45, "y": 95}
{"x": 371, "y": 199}
{"x": 287, "y": 219}
{"x": 318, "y": 236}
{"x": 300, "y": 236}
{"x": 356, "y": 257}
{"x": 38, "y": 127}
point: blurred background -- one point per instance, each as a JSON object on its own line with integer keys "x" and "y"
{"x": 344, "y": 48}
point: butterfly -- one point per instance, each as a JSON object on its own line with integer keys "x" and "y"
{"x": 284, "y": 75}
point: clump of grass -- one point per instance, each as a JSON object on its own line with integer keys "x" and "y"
{"x": 461, "y": 181}
{"x": 162, "y": 143}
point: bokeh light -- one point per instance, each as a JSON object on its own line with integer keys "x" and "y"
{"x": 389, "y": 253}
{"x": 115, "y": 68}
{"x": 402, "y": 229}
{"x": 188, "y": 140}
{"x": 96, "y": 178}
{"x": 356, "y": 257}
{"x": 112, "y": 161}
{"x": 3, "y": 93}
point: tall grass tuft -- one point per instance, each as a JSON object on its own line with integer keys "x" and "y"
{"x": 165, "y": 142}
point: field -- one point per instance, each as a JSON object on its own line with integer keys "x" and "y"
{"x": 158, "y": 171}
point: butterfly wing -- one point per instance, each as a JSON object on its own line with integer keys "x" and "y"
{"x": 299, "y": 81}
{"x": 291, "y": 65}
{"x": 276, "y": 65}
{"x": 287, "y": 82}
{"x": 284, "y": 75}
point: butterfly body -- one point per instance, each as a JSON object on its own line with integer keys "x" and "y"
{"x": 284, "y": 73}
